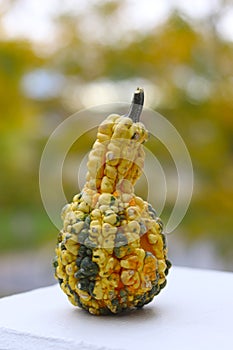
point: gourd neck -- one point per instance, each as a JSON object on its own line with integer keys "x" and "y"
{"x": 117, "y": 154}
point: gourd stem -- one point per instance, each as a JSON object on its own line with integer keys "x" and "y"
{"x": 136, "y": 105}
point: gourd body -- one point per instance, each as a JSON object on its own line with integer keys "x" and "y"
{"x": 111, "y": 254}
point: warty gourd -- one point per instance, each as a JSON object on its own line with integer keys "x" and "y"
{"x": 111, "y": 254}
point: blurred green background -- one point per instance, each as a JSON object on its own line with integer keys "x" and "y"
{"x": 59, "y": 57}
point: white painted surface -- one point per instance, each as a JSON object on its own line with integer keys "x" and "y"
{"x": 194, "y": 311}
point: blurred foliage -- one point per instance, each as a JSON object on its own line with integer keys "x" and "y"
{"x": 188, "y": 67}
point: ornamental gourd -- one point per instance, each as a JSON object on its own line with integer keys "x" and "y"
{"x": 111, "y": 254}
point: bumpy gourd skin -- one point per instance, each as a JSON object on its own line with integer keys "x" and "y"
{"x": 111, "y": 254}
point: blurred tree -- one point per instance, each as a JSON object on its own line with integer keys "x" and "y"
{"x": 188, "y": 64}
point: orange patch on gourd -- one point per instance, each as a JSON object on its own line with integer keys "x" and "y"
{"x": 145, "y": 244}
